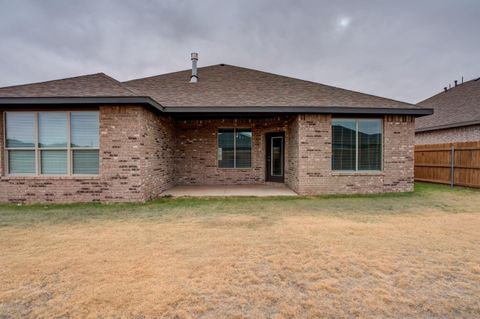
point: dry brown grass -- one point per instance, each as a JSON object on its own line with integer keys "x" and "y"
{"x": 294, "y": 264}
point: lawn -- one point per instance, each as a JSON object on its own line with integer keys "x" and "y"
{"x": 394, "y": 255}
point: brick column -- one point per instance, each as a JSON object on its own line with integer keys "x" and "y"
{"x": 398, "y": 157}
{"x": 120, "y": 158}
{"x": 2, "y": 152}
{"x": 314, "y": 156}
{"x": 136, "y": 152}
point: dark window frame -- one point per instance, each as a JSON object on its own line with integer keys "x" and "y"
{"x": 234, "y": 147}
{"x": 357, "y": 120}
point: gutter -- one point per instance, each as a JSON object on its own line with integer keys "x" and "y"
{"x": 296, "y": 110}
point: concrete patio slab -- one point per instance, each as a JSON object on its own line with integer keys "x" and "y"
{"x": 229, "y": 190}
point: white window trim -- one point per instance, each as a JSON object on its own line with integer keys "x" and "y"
{"x": 38, "y": 150}
{"x": 356, "y": 146}
{"x": 234, "y": 147}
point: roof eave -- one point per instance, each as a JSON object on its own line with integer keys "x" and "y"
{"x": 447, "y": 126}
{"x": 213, "y": 109}
{"x": 81, "y": 100}
{"x": 297, "y": 110}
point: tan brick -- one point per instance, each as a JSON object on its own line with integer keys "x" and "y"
{"x": 196, "y": 145}
{"x": 451, "y": 135}
{"x": 136, "y": 164}
{"x": 143, "y": 153}
{"x": 314, "y": 160}
{"x": 2, "y": 152}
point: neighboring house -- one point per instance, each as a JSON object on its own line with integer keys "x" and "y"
{"x": 92, "y": 138}
{"x": 456, "y": 117}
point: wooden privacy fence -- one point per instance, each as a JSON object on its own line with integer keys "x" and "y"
{"x": 450, "y": 163}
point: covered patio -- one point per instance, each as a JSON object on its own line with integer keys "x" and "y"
{"x": 259, "y": 190}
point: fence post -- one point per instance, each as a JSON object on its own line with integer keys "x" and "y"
{"x": 452, "y": 170}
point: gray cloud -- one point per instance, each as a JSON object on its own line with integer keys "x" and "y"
{"x": 406, "y": 50}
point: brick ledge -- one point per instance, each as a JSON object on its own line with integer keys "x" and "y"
{"x": 76, "y": 177}
{"x": 358, "y": 173}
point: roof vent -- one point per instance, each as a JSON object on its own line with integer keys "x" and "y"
{"x": 194, "y": 76}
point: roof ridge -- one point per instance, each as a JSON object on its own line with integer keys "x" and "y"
{"x": 170, "y": 73}
{"x": 270, "y": 73}
{"x": 56, "y": 80}
{"x": 475, "y": 79}
{"x": 117, "y": 82}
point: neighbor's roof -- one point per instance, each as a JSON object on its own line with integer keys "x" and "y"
{"x": 459, "y": 106}
{"x": 221, "y": 88}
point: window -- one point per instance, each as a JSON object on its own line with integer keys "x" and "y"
{"x": 234, "y": 148}
{"x": 357, "y": 144}
{"x": 52, "y": 143}
{"x": 20, "y": 141}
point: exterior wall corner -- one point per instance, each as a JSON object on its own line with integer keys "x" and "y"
{"x": 2, "y": 146}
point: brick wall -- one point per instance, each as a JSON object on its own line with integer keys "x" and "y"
{"x": 292, "y": 147}
{"x": 120, "y": 167}
{"x": 451, "y": 135}
{"x": 314, "y": 167}
{"x": 132, "y": 150}
{"x": 142, "y": 154}
{"x": 158, "y": 154}
{"x": 399, "y": 153}
{"x": 196, "y": 157}
{"x": 2, "y": 155}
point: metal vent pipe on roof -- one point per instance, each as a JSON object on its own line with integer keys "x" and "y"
{"x": 194, "y": 76}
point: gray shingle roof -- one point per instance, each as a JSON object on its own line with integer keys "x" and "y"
{"x": 92, "y": 85}
{"x": 221, "y": 88}
{"x": 459, "y": 106}
{"x": 226, "y": 85}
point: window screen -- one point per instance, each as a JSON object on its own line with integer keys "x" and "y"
{"x": 20, "y": 129}
{"x": 369, "y": 145}
{"x": 85, "y": 129}
{"x": 54, "y": 162}
{"x": 38, "y": 143}
{"x": 357, "y": 144}
{"x": 344, "y": 145}
{"x": 21, "y": 162}
{"x": 243, "y": 143}
{"x": 234, "y": 148}
{"x": 52, "y": 129}
{"x": 85, "y": 162}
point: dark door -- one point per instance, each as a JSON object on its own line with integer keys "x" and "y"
{"x": 275, "y": 157}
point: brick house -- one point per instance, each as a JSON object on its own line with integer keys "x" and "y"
{"x": 456, "y": 117}
{"x": 92, "y": 138}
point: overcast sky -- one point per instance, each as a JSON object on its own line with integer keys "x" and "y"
{"x": 406, "y": 50}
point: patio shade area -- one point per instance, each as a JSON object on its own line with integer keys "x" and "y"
{"x": 229, "y": 190}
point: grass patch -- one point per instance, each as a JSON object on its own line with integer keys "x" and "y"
{"x": 409, "y": 255}
{"x": 425, "y": 196}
